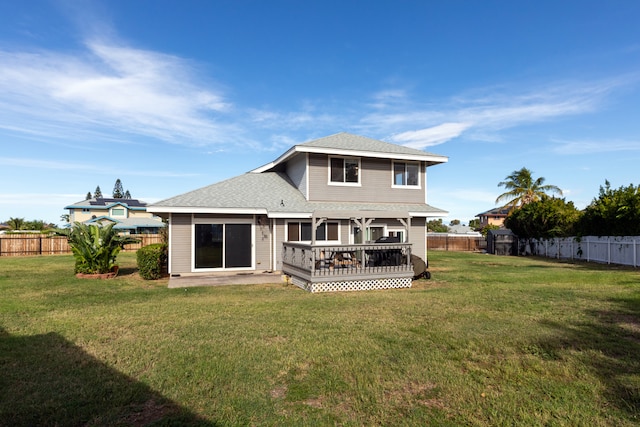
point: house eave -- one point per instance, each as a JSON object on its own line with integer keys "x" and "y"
{"x": 430, "y": 159}
{"x": 206, "y": 210}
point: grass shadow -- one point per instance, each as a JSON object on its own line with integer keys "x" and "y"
{"x": 48, "y": 381}
{"x": 610, "y": 347}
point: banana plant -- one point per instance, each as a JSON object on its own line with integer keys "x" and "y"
{"x": 95, "y": 247}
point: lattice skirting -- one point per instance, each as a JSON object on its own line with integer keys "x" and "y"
{"x": 353, "y": 285}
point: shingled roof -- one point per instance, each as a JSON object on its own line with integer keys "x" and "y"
{"x": 266, "y": 191}
{"x": 347, "y": 144}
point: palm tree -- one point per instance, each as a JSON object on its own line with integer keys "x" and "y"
{"x": 16, "y": 223}
{"x": 524, "y": 189}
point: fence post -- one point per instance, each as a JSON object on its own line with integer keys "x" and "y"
{"x": 587, "y": 242}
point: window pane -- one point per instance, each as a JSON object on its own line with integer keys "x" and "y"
{"x": 332, "y": 231}
{"x": 337, "y": 170}
{"x": 305, "y": 231}
{"x": 208, "y": 245}
{"x": 376, "y": 233}
{"x": 412, "y": 174}
{"x": 398, "y": 174}
{"x": 321, "y": 232}
{"x": 237, "y": 245}
{"x": 293, "y": 231}
{"x": 351, "y": 171}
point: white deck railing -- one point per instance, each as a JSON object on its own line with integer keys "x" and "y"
{"x": 347, "y": 262}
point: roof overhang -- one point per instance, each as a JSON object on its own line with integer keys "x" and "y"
{"x": 430, "y": 159}
{"x": 205, "y": 210}
{"x": 360, "y": 214}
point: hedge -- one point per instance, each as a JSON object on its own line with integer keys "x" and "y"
{"x": 151, "y": 260}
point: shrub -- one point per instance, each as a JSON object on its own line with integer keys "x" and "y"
{"x": 95, "y": 247}
{"x": 150, "y": 260}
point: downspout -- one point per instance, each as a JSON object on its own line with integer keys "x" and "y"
{"x": 169, "y": 224}
{"x": 273, "y": 240}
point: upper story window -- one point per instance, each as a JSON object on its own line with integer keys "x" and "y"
{"x": 344, "y": 170}
{"x": 117, "y": 212}
{"x": 406, "y": 174}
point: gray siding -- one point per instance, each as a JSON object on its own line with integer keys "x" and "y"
{"x": 376, "y": 183}
{"x": 180, "y": 243}
{"x": 418, "y": 237}
{"x": 297, "y": 173}
{"x": 279, "y": 240}
{"x": 263, "y": 243}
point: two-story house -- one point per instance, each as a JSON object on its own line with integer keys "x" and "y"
{"x": 319, "y": 213}
{"x": 495, "y": 216}
{"x": 129, "y": 215}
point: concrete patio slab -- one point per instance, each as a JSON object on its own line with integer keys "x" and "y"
{"x": 222, "y": 279}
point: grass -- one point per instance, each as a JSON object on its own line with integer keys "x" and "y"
{"x": 487, "y": 341}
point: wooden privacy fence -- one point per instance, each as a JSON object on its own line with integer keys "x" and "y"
{"x": 448, "y": 242}
{"x": 42, "y": 244}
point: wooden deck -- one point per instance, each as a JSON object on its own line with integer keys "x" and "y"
{"x": 322, "y": 268}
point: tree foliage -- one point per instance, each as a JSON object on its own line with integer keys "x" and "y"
{"x": 436, "y": 226}
{"x": 118, "y": 191}
{"x": 16, "y": 223}
{"x": 613, "y": 212}
{"x": 545, "y": 218}
{"x": 95, "y": 247}
{"x": 97, "y": 193}
{"x": 485, "y": 230}
{"x": 523, "y": 189}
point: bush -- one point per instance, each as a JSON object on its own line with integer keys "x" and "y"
{"x": 95, "y": 247}
{"x": 151, "y": 259}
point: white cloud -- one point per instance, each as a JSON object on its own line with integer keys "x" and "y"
{"x": 39, "y": 199}
{"x": 430, "y": 136}
{"x": 94, "y": 168}
{"x": 483, "y": 113}
{"x": 591, "y": 147}
{"x": 109, "y": 89}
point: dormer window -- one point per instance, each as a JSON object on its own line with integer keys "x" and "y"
{"x": 117, "y": 212}
{"x": 406, "y": 174}
{"x": 344, "y": 170}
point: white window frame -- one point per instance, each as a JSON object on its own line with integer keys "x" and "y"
{"x": 344, "y": 183}
{"x": 124, "y": 212}
{"x": 406, "y": 174}
{"x": 221, "y": 221}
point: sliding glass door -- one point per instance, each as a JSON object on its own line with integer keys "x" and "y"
{"x": 223, "y": 246}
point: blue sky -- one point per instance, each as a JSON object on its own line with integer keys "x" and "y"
{"x": 170, "y": 96}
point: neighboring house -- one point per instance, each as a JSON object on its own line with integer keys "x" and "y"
{"x": 494, "y": 216}
{"x": 460, "y": 229}
{"x": 129, "y": 215}
{"x": 314, "y": 213}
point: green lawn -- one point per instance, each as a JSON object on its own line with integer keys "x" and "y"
{"x": 487, "y": 341}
